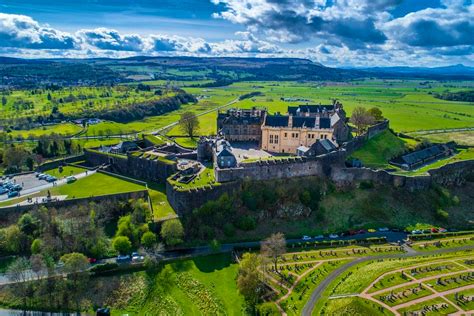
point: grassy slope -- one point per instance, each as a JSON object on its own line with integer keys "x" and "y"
{"x": 354, "y": 306}
{"x": 380, "y": 149}
{"x": 216, "y": 273}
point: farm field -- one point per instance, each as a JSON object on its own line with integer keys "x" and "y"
{"x": 462, "y": 138}
{"x": 408, "y": 104}
{"x": 402, "y": 286}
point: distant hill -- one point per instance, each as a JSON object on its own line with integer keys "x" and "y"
{"x": 99, "y": 71}
{"x": 447, "y": 72}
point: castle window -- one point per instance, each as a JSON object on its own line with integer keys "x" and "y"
{"x": 286, "y": 135}
{"x": 322, "y": 136}
{"x": 276, "y": 139}
{"x": 271, "y": 139}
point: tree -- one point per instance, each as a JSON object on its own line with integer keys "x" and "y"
{"x": 148, "y": 240}
{"x": 18, "y": 273}
{"x": 376, "y": 113}
{"x": 361, "y": 119}
{"x": 4, "y": 100}
{"x": 75, "y": 265}
{"x": 14, "y": 156}
{"x": 273, "y": 247}
{"x": 36, "y": 246}
{"x": 189, "y": 124}
{"x": 38, "y": 266}
{"x": 172, "y": 232}
{"x": 27, "y": 224}
{"x": 249, "y": 279}
{"x": 122, "y": 244}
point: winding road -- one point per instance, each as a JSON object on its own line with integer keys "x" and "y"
{"x": 317, "y": 293}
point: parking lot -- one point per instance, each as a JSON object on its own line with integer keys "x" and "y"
{"x": 27, "y": 181}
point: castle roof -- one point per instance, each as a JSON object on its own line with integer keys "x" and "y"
{"x": 276, "y": 120}
{"x": 299, "y": 121}
{"x": 309, "y": 108}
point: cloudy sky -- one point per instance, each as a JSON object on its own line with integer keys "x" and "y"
{"x": 332, "y": 32}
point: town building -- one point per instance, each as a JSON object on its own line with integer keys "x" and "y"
{"x": 238, "y": 125}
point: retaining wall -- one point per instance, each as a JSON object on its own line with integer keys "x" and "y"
{"x": 56, "y": 163}
{"x": 4, "y": 211}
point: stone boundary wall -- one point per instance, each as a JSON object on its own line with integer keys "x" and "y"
{"x": 185, "y": 201}
{"x": 4, "y": 211}
{"x": 135, "y": 167}
{"x": 451, "y": 174}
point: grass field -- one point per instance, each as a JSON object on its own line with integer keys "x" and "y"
{"x": 461, "y": 138}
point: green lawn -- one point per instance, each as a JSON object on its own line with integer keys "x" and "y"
{"x": 66, "y": 129}
{"x": 161, "y": 206}
{"x": 389, "y": 280}
{"x": 452, "y": 282}
{"x": 94, "y": 185}
{"x": 187, "y": 142}
{"x": 420, "y": 308}
{"x": 66, "y": 171}
{"x": 466, "y": 303}
{"x": 379, "y": 150}
{"x": 353, "y": 306}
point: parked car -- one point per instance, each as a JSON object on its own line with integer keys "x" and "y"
{"x": 92, "y": 260}
{"x": 361, "y": 231}
{"x": 122, "y": 258}
{"x": 442, "y": 230}
{"x": 3, "y": 190}
{"x": 333, "y": 236}
{"x": 434, "y": 230}
{"x": 416, "y": 232}
{"x": 16, "y": 187}
{"x": 42, "y": 176}
{"x": 70, "y": 179}
{"x": 136, "y": 257}
{"x": 426, "y": 231}
{"x": 13, "y": 194}
{"x": 371, "y": 230}
{"x": 51, "y": 179}
{"x": 306, "y": 237}
{"x": 384, "y": 229}
{"x": 319, "y": 237}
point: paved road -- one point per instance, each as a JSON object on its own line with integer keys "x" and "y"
{"x": 308, "y": 308}
{"x": 47, "y": 185}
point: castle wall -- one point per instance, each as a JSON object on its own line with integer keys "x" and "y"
{"x": 283, "y": 168}
{"x": 137, "y": 167}
{"x": 185, "y": 201}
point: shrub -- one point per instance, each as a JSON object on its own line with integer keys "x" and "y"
{"x": 442, "y": 214}
{"x": 172, "y": 232}
{"x": 365, "y": 185}
{"x": 148, "y": 240}
{"x": 229, "y": 230}
{"x": 36, "y": 246}
{"x": 104, "y": 267}
{"x": 246, "y": 223}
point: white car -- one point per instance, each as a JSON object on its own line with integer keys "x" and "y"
{"x": 383, "y": 229}
{"x": 306, "y": 238}
{"x": 333, "y": 236}
{"x": 319, "y": 237}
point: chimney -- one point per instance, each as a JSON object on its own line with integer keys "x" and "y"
{"x": 290, "y": 121}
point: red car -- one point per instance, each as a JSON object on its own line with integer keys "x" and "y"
{"x": 434, "y": 230}
{"x": 92, "y": 260}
